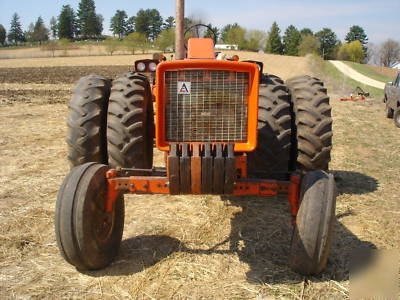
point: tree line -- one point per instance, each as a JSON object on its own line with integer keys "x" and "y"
{"x": 148, "y": 29}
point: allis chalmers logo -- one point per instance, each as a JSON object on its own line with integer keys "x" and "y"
{"x": 184, "y": 87}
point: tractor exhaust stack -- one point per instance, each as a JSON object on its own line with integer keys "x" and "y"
{"x": 179, "y": 31}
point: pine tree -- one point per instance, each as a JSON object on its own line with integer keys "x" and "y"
{"x": 119, "y": 24}
{"x": 329, "y": 43}
{"x": 99, "y": 25}
{"x": 357, "y": 33}
{"x": 169, "y": 23}
{"x": 3, "y": 35}
{"x": 225, "y": 30}
{"x": 53, "y": 27}
{"x": 66, "y": 23}
{"x": 87, "y": 19}
{"x": 212, "y": 33}
{"x": 291, "y": 41}
{"x": 40, "y": 32}
{"x": 274, "y": 42}
{"x": 16, "y": 35}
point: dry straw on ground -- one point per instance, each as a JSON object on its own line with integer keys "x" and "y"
{"x": 180, "y": 247}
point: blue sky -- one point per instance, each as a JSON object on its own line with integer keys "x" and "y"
{"x": 380, "y": 19}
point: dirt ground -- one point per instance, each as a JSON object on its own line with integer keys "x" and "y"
{"x": 75, "y": 49}
{"x": 182, "y": 247}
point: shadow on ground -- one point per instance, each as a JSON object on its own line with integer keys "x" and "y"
{"x": 260, "y": 236}
{"x": 354, "y": 183}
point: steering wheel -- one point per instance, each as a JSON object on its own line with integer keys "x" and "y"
{"x": 199, "y": 32}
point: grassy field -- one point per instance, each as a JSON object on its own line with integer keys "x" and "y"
{"x": 369, "y": 72}
{"x": 343, "y": 84}
{"x": 387, "y": 72}
{"x": 185, "y": 247}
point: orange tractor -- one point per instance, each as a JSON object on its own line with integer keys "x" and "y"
{"x": 226, "y": 129}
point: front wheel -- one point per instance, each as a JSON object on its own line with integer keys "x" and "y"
{"x": 88, "y": 237}
{"x": 313, "y": 230}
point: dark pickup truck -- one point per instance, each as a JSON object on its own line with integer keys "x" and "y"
{"x": 392, "y": 99}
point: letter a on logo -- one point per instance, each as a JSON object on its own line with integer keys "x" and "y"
{"x": 184, "y": 87}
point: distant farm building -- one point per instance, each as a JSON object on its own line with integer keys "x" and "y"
{"x": 396, "y": 65}
{"x": 226, "y": 47}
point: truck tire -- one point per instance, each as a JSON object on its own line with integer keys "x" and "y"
{"x": 389, "y": 111}
{"x": 87, "y": 119}
{"x": 312, "y": 141}
{"x": 396, "y": 117}
{"x": 130, "y": 123}
{"x": 272, "y": 154}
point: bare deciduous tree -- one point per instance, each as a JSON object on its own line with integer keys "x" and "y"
{"x": 389, "y": 53}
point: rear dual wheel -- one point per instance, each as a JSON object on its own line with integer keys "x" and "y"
{"x": 111, "y": 123}
{"x": 87, "y": 117}
{"x": 294, "y": 127}
{"x": 130, "y": 120}
{"x": 312, "y": 128}
{"x": 272, "y": 155}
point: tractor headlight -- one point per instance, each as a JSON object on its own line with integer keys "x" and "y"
{"x": 152, "y": 66}
{"x": 141, "y": 66}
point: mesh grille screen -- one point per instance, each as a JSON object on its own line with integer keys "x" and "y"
{"x": 206, "y": 105}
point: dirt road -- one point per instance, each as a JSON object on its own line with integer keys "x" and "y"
{"x": 348, "y": 71}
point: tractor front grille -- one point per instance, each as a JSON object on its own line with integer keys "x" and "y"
{"x": 206, "y": 105}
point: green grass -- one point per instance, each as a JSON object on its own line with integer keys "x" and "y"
{"x": 339, "y": 79}
{"x": 363, "y": 69}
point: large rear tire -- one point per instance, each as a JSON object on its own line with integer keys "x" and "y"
{"x": 88, "y": 237}
{"x": 272, "y": 154}
{"x": 130, "y": 123}
{"x": 87, "y": 119}
{"x": 313, "y": 231}
{"x": 312, "y": 140}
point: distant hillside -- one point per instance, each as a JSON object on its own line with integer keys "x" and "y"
{"x": 280, "y": 65}
{"x": 283, "y": 66}
{"x": 389, "y": 72}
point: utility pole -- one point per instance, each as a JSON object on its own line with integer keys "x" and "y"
{"x": 179, "y": 35}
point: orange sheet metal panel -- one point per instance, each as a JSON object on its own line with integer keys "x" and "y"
{"x": 241, "y": 165}
{"x": 260, "y": 188}
{"x": 140, "y": 184}
{"x": 201, "y": 64}
{"x": 148, "y": 185}
{"x": 246, "y": 188}
{"x": 201, "y": 48}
